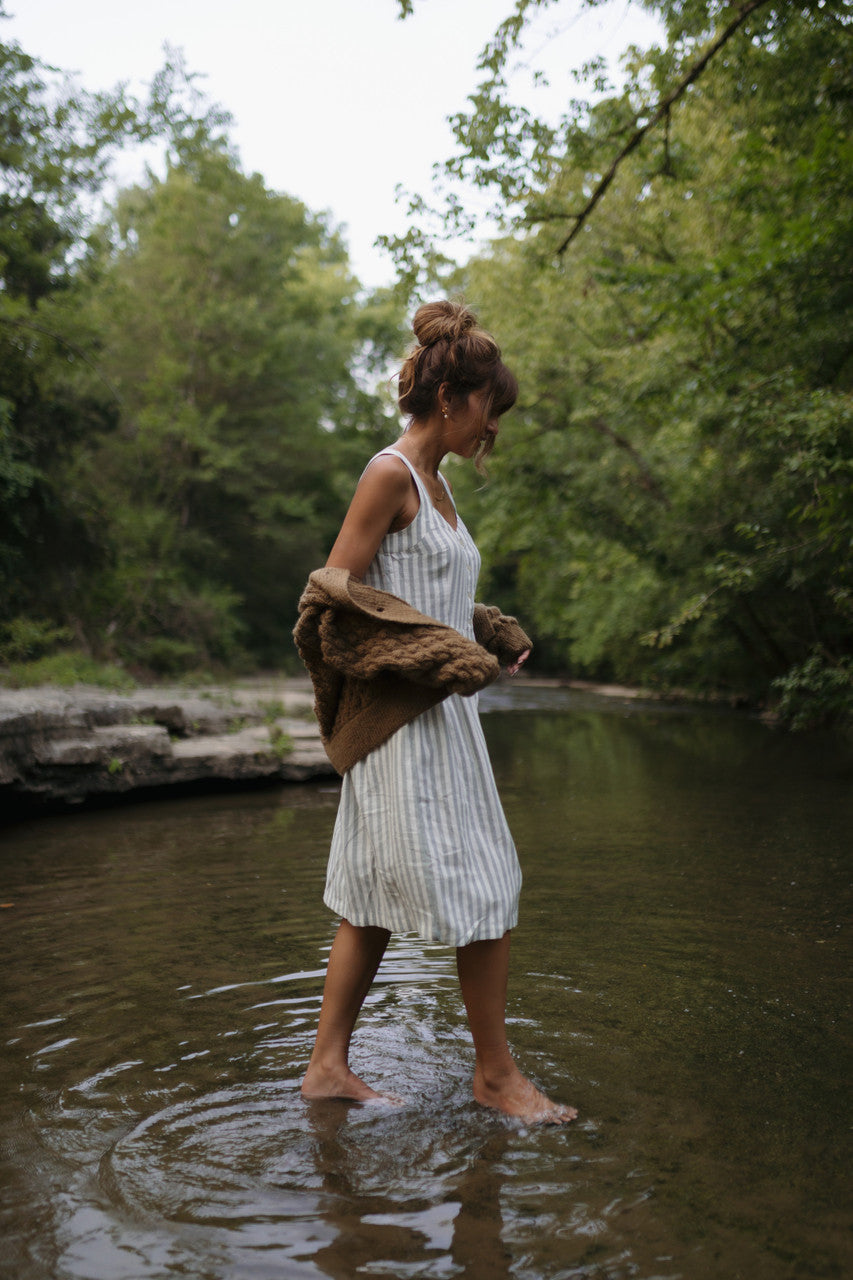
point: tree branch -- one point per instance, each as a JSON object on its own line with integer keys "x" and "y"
{"x": 661, "y": 111}
{"x": 647, "y": 480}
{"x": 17, "y": 323}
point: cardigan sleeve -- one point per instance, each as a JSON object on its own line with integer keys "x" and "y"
{"x": 500, "y": 634}
{"x": 437, "y": 657}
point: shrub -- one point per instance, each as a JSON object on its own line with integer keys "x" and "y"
{"x": 67, "y": 668}
{"x": 817, "y": 692}
{"x": 23, "y": 639}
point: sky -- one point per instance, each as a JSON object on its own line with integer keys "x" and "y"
{"x": 335, "y": 102}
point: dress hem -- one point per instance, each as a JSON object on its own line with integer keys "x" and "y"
{"x": 372, "y": 923}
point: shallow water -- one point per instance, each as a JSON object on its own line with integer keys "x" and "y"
{"x": 680, "y": 973}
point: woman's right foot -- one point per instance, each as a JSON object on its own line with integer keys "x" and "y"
{"x": 515, "y": 1095}
{"x": 344, "y": 1084}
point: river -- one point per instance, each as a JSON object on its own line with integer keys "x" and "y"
{"x": 680, "y": 973}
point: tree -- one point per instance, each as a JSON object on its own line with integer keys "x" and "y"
{"x": 177, "y": 402}
{"x": 233, "y": 325}
{"x": 56, "y": 147}
{"x": 53, "y": 149}
{"x": 676, "y": 506}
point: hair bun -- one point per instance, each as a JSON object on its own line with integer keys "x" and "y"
{"x": 444, "y": 320}
{"x": 454, "y": 354}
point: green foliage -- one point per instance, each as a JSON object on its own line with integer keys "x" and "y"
{"x": 281, "y": 743}
{"x": 671, "y": 501}
{"x": 273, "y": 710}
{"x": 56, "y": 147}
{"x": 179, "y": 420}
{"x": 230, "y": 327}
{"x": 66, "y": 668}
{"x": 165, "y": 655}
{"x": 817, "y": 691}
{"x": 24, "y": 639}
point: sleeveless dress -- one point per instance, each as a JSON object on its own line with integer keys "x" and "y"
{"x": 421, "y": 843}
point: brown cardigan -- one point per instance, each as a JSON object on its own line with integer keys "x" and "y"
{"x": 376, "y": 662}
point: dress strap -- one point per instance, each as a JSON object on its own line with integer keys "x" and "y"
{"x": 447, "y": 489}
{"x": 421, "y": 486}
{"x": 397, "y": 454}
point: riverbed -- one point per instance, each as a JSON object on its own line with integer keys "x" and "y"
{"x": 680, "y": 973}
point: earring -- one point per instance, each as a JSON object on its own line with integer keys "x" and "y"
{"x": 444, "y": 413}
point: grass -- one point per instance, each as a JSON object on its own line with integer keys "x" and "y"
{"x": 273, "y": 710}
{"x": 281, "y": 743}
{"x": 67, "y": 668}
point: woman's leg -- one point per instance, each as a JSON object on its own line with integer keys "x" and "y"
{"x": 483, "y": 969}
{"x": 353, "y": 961}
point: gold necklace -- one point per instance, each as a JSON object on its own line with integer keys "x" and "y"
{"x": 429, "y": 479}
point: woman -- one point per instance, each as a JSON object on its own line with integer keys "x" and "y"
{"x": 421, "y": 842}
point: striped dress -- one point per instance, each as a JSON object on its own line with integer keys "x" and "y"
{"x": 421, "y": 843}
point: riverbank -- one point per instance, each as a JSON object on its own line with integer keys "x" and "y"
{"x": 66, "y": 746}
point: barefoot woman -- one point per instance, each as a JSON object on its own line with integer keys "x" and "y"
{"x": 420, "y": 842}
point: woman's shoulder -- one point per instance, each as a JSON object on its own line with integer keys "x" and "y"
{"x": 388, "y": 470}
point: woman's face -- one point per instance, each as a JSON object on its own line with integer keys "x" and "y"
{"x": 465, "y": 429}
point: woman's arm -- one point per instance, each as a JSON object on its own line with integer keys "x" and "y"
{"x": 385, "y": 498}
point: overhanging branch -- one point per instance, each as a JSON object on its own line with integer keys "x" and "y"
{"x": 661, "y": 111}
{"x": 647, "y": 479}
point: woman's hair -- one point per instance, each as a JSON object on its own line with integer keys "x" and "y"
{"x": 453, "y": 350}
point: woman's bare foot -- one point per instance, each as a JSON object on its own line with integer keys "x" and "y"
{"x": 515, "y": 1095}
{"x": 345, "y": 1084}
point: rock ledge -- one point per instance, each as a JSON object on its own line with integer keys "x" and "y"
{"x": 67, "y": 746}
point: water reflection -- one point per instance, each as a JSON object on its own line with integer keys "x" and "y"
{"x": 678, "y": 972}
{"x": 385, "y": 1181}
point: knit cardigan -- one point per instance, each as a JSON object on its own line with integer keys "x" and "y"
{"x": 376, "y": 663}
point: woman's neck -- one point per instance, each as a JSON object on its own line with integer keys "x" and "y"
{"x": 423, "y": 445}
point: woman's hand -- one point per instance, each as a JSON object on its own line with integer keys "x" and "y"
{"x": 519, "y": 662}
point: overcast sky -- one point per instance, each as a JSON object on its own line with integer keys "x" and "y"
{"x": 335, "y": 101}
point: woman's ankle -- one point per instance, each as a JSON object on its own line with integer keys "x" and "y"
{"x": 495, "y": 1070}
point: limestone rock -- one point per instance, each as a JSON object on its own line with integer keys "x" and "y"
{"x": 69, "y": 745}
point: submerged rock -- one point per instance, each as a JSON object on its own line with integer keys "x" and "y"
{"x": 71, "y": 745}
